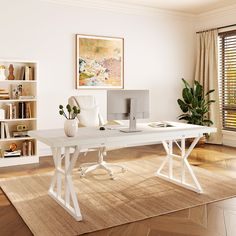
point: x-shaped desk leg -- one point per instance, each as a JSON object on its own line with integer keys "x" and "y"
{"x": 55, "y": 192}
{"x": 185, "y": 166}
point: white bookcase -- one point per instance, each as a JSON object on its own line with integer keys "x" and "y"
{"x": 24, "y": 112}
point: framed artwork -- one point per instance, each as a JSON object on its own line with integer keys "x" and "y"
{"x": 99, "y": 62}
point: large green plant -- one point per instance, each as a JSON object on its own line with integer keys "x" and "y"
{"x": 195, "y": 104}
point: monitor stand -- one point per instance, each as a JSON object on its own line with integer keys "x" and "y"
{"x": 132, "y": 118}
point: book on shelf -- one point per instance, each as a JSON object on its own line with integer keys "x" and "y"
{"x": 24, "y": 110}
{"x": 28, "y": 110}
{"x": 1, "y": 153}
{"x": 4, "y": 94}
{"x": 5, "y": 133}
{"x": 21, "y": 110}
{"x": 10, "y": 153}
{"x": 26, "y": 73}
{"x": 19, "y": 134}
{"x": 22, "y": 73}
{"x": 11, "y": 111}
{"x": 14, "y": 111}
{"x": 27, "y": 148}
{"x": 2, "y": 130}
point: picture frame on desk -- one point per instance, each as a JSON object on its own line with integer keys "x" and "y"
{"x": 99, "y": 62}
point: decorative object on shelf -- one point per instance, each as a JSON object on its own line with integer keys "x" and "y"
{"x": 2, "y": 72}
{"x": 16, "y": 91}
{"x": 12, "y": 152}
{"x": 21, "y": 127}
{"x": 71, "y": 124}
{"x": 13, "y": 147}
{"x": 195, "y": 104}
{"x": 99, "y": 62}
{"x": 11, "y": 72}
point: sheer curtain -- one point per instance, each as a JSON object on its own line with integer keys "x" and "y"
{"x": 207, "y": 74}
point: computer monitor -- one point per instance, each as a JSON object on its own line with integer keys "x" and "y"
{"x": 128, "y": 105}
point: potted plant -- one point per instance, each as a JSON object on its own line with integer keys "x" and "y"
{"x": 70, "y": 125}
{"x": 195, "y": 104}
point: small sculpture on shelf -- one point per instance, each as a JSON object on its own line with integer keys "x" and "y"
{"x": 11, "y": 72}
{"x": 2, "y": 72}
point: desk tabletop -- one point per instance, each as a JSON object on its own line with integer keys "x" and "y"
{"x": 93, "y": 137}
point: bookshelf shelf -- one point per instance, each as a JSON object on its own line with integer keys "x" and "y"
{"x": 19, "y": 119}
{"x": 17, "y": 81}
{"x": 15, "y": 139}
{"x": 16, "y": 112}
{"x": 18, "y": 100}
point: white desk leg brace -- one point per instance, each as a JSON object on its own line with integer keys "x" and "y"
{"x": 56, "y": 182}
{"x": 185, "y": 166}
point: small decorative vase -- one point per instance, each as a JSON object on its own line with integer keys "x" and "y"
{"x": 2, "y": 73}
{"x": 70, "y": 127}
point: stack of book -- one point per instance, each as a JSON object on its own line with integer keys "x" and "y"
{"x": 19, "y": 134}
{"x": 4, "y": 94}
{"x": 10, "y": 153}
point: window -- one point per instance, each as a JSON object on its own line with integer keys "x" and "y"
{"x": 227, "y": 73}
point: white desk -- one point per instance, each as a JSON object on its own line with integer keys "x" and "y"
{"x": 93, "y": 138}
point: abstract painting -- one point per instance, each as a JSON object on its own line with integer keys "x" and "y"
{"x": 99, "y": 62}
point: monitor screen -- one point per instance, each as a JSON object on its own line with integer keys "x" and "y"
{"x": 119, "y": 101}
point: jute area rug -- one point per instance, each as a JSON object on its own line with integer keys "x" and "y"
{"x": 134, "y": 195}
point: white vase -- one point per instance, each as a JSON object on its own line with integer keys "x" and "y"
{"x": 2, "y": 73}
{"x": 71, "y": 127}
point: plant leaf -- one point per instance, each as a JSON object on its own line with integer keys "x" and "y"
{"x": 187, "y": 95}
{"x": 194, "y": 102}
{"x": 184, "y": 117}
{"x": 198, "y": 89}
{"x": 186, "y": 84}
{"x": 183, "y": 105}
{"x": 210, "y": 91}
{"x": 210, "y": 101}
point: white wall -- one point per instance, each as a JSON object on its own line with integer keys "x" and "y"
{"x": 159, "y": 50}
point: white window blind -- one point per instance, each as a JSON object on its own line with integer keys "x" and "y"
{"x": 227, "y": 73}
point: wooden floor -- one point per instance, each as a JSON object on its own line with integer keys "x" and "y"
{"x": 215, "y": 219}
